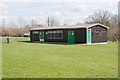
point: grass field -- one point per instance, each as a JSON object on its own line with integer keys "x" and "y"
{"x": 22, "y": 59}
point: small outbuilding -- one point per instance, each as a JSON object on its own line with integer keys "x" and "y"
{"x": 86, "y": 33}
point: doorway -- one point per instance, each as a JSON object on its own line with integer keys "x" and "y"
{"x": 71, "y": 37}
{"x": 41, "y": 36}
{"x": 88, "y": 36}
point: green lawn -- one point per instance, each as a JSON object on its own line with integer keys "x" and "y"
{"x": 43, "y": 60}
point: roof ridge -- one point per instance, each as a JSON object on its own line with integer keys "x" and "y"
{"x": 70, "y": 26}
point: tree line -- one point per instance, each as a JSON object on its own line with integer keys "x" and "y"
{"x": 99, "y": 16}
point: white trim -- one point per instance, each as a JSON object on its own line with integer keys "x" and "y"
{"x": 97, "y": 24}
{"x": 41, "y": 40}
{"x": 87, "y": 36}
{"x": 96, "y": 43}
{"x": 54, "y": 32}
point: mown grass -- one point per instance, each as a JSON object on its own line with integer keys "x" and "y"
{"x": 22, "y": 59}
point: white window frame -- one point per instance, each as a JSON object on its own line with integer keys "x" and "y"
{"x": 54, "y": 32}
{"x": 35, "y": 32}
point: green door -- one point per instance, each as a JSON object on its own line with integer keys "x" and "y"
{"x": 41, "y": 36}
{"x": 71, "y": 37}
{"x": 88, "y": 36}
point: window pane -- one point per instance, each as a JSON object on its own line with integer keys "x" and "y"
{"x": 52, "y": 35}
{"x": 58, "y": 34}
{"x": 35, "y": 32}
{"x": 48, "y": 35}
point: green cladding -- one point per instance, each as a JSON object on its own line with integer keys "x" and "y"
{"x": 41, "y": 36}
{"x": 71, "y": 37}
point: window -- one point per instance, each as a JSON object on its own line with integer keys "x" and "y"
{"x": 57, "y": 34}
{"x": 100, "y": 31}
{"x": 35, "y": 32}
{"x": 103, "y": 31}
{"x": 97, "y": 31}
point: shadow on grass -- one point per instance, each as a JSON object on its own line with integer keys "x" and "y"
{"x": 25, "y": 41}
{"x": 57, "y": 43}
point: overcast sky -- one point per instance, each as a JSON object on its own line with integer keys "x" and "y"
{"x": 69, "y": 11}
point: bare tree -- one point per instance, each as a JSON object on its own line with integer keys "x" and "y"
{"x": 108, "y": 19}
{"x": 113, "y": 31}
{"x": 26, "y": 29}
{"x": 12, "y": 26}
{"x": 34, "y": 24}
{"x": 53, "y": 21}
{"x": 99, "y": 16}
{"x": 22, "y": 23}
